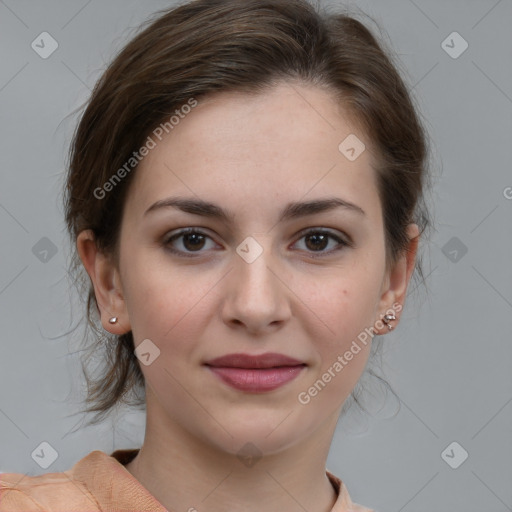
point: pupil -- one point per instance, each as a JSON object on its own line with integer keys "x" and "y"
{"x": 186, "y": 240}
{"x": 323, "y": 238}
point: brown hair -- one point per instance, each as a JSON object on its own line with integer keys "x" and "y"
{"x": 205, "y": 46}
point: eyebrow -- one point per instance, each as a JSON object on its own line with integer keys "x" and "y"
{"x": 291, "y": 211}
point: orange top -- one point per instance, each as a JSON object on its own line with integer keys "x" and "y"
{"x": 100, "y": 483}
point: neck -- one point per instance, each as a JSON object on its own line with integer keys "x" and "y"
{"x": 184, "y": 473}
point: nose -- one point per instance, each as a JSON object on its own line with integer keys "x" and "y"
{"x": 257, "y": 299}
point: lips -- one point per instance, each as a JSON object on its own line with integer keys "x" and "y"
{"x": 255, "y": 374}
{"x": 268, "y": 360}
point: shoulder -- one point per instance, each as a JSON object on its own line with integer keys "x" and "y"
{"x": 344, "y": 503}
{"x": 13, "y": 498}
{"x": 96, "y": 482}
{"x": 46, "y": 492}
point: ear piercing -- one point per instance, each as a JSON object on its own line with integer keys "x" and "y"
{"x": 113, "y": 320}
{"x": 387, "y": 318}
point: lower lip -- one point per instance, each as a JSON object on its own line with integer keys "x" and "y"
{"x": 257, "y": 380}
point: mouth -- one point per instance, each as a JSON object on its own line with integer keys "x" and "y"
{"x": 256, "y": 374}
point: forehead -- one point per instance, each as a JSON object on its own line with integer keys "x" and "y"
{"x": 255, "y": 151}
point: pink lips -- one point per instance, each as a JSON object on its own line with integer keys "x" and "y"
{"x": 256, "y": 374}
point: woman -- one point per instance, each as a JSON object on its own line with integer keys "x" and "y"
{"x": 245, "y": 193}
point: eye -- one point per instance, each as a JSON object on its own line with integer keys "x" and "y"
{"x": 192, "y": 241}
{"x": 316, "y": 240}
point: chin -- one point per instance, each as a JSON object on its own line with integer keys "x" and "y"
{"x": 262, "y": 433}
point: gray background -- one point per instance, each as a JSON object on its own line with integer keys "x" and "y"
{"x": 450, "y": 360}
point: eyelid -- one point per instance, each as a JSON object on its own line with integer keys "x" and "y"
{"x": 335, "y": 233}
{"x": 177, "y": 234}
{"x": 343, "y": 241}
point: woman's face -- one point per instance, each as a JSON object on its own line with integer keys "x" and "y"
{"x": 267, "y": 278}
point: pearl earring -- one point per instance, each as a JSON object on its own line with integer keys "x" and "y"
{"x": 113, "y": 320}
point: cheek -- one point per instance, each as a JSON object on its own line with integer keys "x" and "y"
{"x": 158, "y": 296}
{"x": 347, "y": 304}
{"x": 347, "y": 308}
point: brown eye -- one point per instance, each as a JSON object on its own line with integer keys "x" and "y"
{"x": 187, "y": 241}
{"x": 316, "y": 241}
{"x": 193, "y": 241}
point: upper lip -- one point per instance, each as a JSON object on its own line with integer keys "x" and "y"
{"x": 268, "y": 360}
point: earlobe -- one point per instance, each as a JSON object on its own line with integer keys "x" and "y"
{"x": 393, "y": 297}
{"x": 106, "y": 282}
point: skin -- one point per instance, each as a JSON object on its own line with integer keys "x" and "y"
{"x": 250, "y": 155}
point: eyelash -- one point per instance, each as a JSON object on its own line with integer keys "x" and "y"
{"x": 320, "y": 254}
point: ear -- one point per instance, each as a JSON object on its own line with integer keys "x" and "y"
{"x": 106, "y": 280}
{"x": 395, "y": 285}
